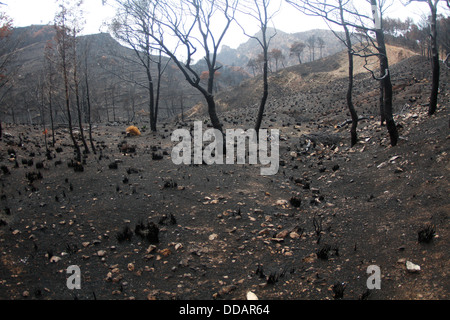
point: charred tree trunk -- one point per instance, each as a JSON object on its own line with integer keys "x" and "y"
{"x": 434, "y": 60}
{"x": 386, "y": 78}
{"x": 88, "y": 100}
{"x": 151, "y": 93}
{"x": 77, "y": 94}
{"x": 266, "y": 84}
{"x": 69, "y": 115}
{"x": 52, "y": 122}
{"x": 387, "y": 89}
{"x": 351, "y": 107}
{"x": 382, "y": 116}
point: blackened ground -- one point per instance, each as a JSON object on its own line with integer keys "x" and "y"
{"x": 217, "y": 232}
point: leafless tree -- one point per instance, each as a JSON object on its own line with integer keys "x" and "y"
{"x": 74, "y": 32}
{"x": 320, "y": 45}
{"x": 259, "y": 10}
{"x": 336, "y": 13}
{"x": 135, "y": 25}
{"x": 435, "y": 67}
{"x": 64, "y": 45}
{"x": 342, "y": 12}
{"x": 194, "y": 25}
{"x": 311, "y": 43}
{"x": 86, "y": 56}
{"x": 50, "y": 73}
{"x": 297, "y": 49}
{"x": 7, "y": 54}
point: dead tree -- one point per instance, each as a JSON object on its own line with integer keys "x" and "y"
{"x": 49, "y": 56}
{"x": 190, "y": 22}
{"x": 336, "y": 13}
{"x": 435, "y": 67}
{"x": 74, "y": 32}
{"x": 134, "y": 25}
{"x": 86, "y": 51}
{"x": 332, "y": 12}
{"x": 258, "y": 10}
{"x": 63, "y": 44}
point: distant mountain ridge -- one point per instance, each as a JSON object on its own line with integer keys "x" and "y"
{"x": 114, "y": 98}
{"x": 282, "y": 41}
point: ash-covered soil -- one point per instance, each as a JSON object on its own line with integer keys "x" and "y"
{"x": 140, "y": 227}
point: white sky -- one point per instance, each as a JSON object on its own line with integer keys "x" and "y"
{"x": 28, "y": 12}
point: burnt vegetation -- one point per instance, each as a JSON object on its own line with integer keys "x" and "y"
{"x": 358, "y": 173}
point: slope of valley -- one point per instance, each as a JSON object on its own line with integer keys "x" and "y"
{"x": 140, "y": 227}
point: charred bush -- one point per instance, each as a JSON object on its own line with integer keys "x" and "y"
{"x": 113, "y": 166}
{"x": 157, "y": 156}
{"x": 167, "y": 220}
{"x": 150, "y": 231}
{"x": 338, "y": 290}
{"x": 323, "y": 252}
{"x": 426, "y": 234}
{"x": 5, "y": 170}
{"x": 170, "y": 183}
{"x": 296, "y": 202}
{"x": 33, "y": 176}
{"x": 125, "y": 235}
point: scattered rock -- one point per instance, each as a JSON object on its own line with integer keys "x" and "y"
{"x": 251, "y": 296}
{"x": 411, "y": 267}
{"x": 213, "y": 236}
{"x": 101, "y": 253}
{"x": 55, "y": 259}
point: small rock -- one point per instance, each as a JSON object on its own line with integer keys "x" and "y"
{"x": 101, "y": 253}
{"x": 213, "y": 237}
{"x": 281, "y": 202}
{"x": 294, "y": 235}
{"x": 398, "y": 170}
{"x": 265, "y": 232}
{"x": 55, "y": 259}
{"x": 251, "y": 296}
{"x": 411, "y": 267}
{"x": 283, "y": 234}
{"x": 130, "y": 267}
{"x": 165, "y": 252}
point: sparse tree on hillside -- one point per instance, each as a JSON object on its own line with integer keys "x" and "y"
{"x": 190, "y": 25}
{"x": 435, "y": 66}
{"x": 336, "y": 13}
{"x": 75, "y": 30}
{"x": 297, "y": 49}
{"x": 278, "y": 56}
{"x": 50, "y": 73}
{"x": 5, "y": 60}
{"x": 134, "y": 25}
{"x": 320, "y": 45}
{"x": 311, "y": 43}
{"x": 191, "y": 21}
{"x": 259, "y": 11}
{"x": 252, "y": 64}
{"x": 86, "y": 56}
{"x": 64, "y": 45}
{"x": 332, "y": 12}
